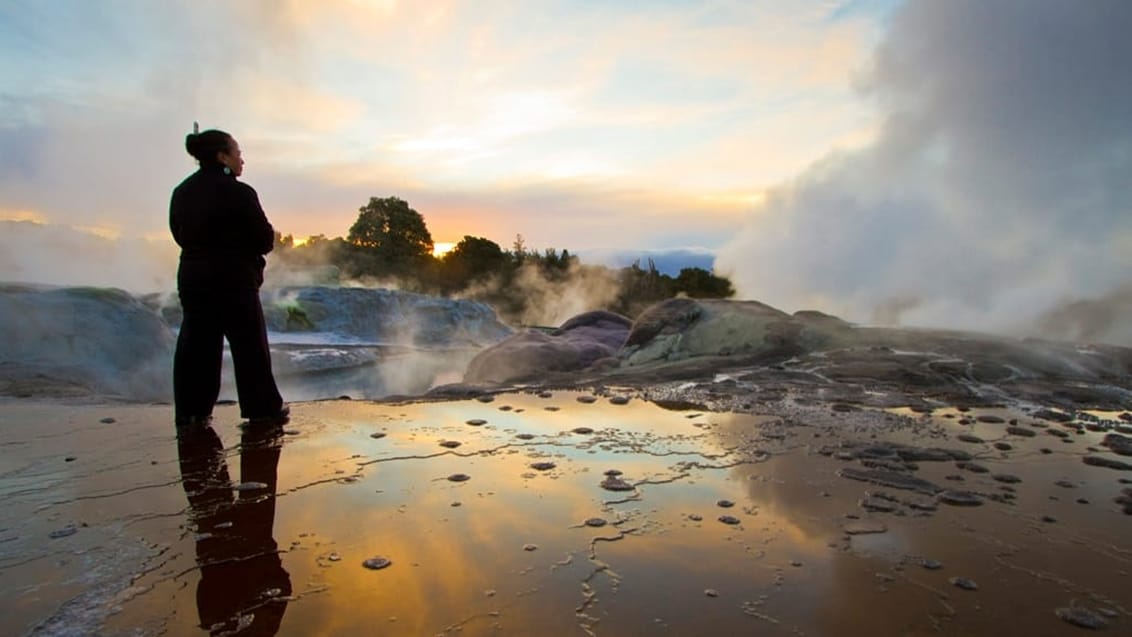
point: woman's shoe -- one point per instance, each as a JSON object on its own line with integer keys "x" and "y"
{"x": 281, "y": 417}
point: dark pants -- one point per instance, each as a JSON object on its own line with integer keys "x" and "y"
{"x": 208, "y": 318}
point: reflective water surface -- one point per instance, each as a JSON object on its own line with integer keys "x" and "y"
{"x": 122, "y": 528}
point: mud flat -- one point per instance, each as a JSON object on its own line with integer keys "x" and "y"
{"x": 655, "y": 510}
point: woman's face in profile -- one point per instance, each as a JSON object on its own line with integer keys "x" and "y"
{"x": 232, "y": 158}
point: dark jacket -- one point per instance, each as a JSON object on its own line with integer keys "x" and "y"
{"x": 222, "y": 231}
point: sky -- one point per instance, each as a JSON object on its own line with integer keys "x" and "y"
{"x": 961, "y": 163}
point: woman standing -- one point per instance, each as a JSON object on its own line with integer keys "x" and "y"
{"x": 223, "y": 234}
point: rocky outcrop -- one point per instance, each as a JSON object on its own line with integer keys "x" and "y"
{"x": 577, "y": 344}
{"x": 78, "y": 341}
{"x": 380, "y": 315}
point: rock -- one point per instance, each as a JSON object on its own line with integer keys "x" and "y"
{"x": 450, "y": 444}
{"x": 1051, "y": 415}
{"x": 70, "y": 529}
{"x": 973, "y": 467}
{"x": 1021, "y": 431}
{"x": 892, "y": 479}
{"x": 970, "y": 438}
{"x": 1003, "y": 446}
{"x": 1081, "y": 617}
{"x": 1118, "y": 444}
{"x": 542, "y": 466}
{"x": 612, "y": 472}
{"x": 931, "y": 565}
{"x": 865, "y": 527}
{"x": 711, "y": 592}
{"x": 1100, "y": 461}
{"x": 586, "y": 399}
{"x": 108, "y": 420}
{"x": 573, "y": 346}
{"x": 964, "y": 583}
{"x": 459, "y": 477}
{"x": 960, "y": 498}
{"x": 1006, "y": 478}
{"x": 613, "y": 483}
{"x": 988, "y": 418}
{"x": 377, "y": 563}
{"x": 525, "y": 436}
{"x": 476, "y": 422}
{"x": 729, "y": 519}
{"x": 619, "y": 400}
{"x": 378, "y": 435}
{"x": 726, "y": 504}
{"x": 596, "y": 522}
{"x": 695, "y": 517}
{"x": 582, "y": 430}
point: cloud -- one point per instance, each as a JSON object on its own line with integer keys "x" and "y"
{"x": 995, "y": 189}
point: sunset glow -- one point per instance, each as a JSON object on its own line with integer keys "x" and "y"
{"x": 440, "y": 248}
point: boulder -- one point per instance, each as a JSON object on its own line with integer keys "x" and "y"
{"x": 82, "y": 341}
{"x": 575, "y": 345}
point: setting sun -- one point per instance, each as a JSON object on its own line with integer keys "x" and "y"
{"x": 440, "y": 248}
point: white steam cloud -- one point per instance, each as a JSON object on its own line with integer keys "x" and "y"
{"x": 997, "y": 190}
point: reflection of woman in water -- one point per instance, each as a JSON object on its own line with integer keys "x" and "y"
{"x": 223, "y": 234}
{"x": 243, "y": 585}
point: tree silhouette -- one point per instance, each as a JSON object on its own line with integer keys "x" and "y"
{"x": 391, "y": 235}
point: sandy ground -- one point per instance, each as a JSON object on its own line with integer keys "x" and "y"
{"x": 785, "y": 514}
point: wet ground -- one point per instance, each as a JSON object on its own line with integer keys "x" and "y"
{"x": 566, "y": 513}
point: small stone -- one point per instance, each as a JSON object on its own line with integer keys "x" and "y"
{"x": 970, "y": 438}
{"x": 334, "y": 557}
{"x": 612, "y": 472}
{"x": 70, "y": 529}
{"x": 795, "y": 563}
{"x": 545, "y": 394}
{"x": 729, "y": 519}
{"x": 551, "y": 408}
{"x": 525, "y": 436}
{"x": 1082, "y": 500}
{"x": 586, "y": 399}
{"x": 1049, "y": 519}
{"x": 619, "y": 400}
{"x": 1003, "y": 446}
{"x": 695, "y": 517}
{"x": 1065, "y": 484}
{"x": 727, "y": 504}
{"x": 1081, "y": 617}
{"x": 596, "y": 522}
{"x": 459, "y": 477}
{"x": 456, "y": 504}
{"x": 378, "y": 435}
{"x": 108, "y": 420}
{"x": 1006, "y": 478}
{"x": 613, "y": 483}
{"x": 476, "y": 422}
{"x": 964, "y": 583}
{"x": 583, "y": 430}
{"x": 377, "y": 563}
{"x": 865, "y": 527}
{"x": 711, "y": 592}
{"x": 1021, "y": 431}
{"x": 530, "y": 547}
{"x": 70, "y": 459}
{"x": 542, "y": 466}
{"x": 486, "y": 398}
{"x": 959, "y": 498}
{"x": 931, "y": 565}
{"x": 1109, "y": 463}
{"x": 505, "y": 408}
{"x": 988, "y": 418}
{"x": 450, "y": 444}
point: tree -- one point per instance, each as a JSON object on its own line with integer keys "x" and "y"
{"x": 699, "y": 283}
{"x": 391, "y": 235}
{"x": 472, "y": 258}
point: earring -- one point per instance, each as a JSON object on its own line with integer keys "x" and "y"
{"x": 227, "y": 170}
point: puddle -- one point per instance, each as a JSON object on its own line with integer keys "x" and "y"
{"x": 164, "y": 542}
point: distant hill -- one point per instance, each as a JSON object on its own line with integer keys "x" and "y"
{"x": 668, "y": 262}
